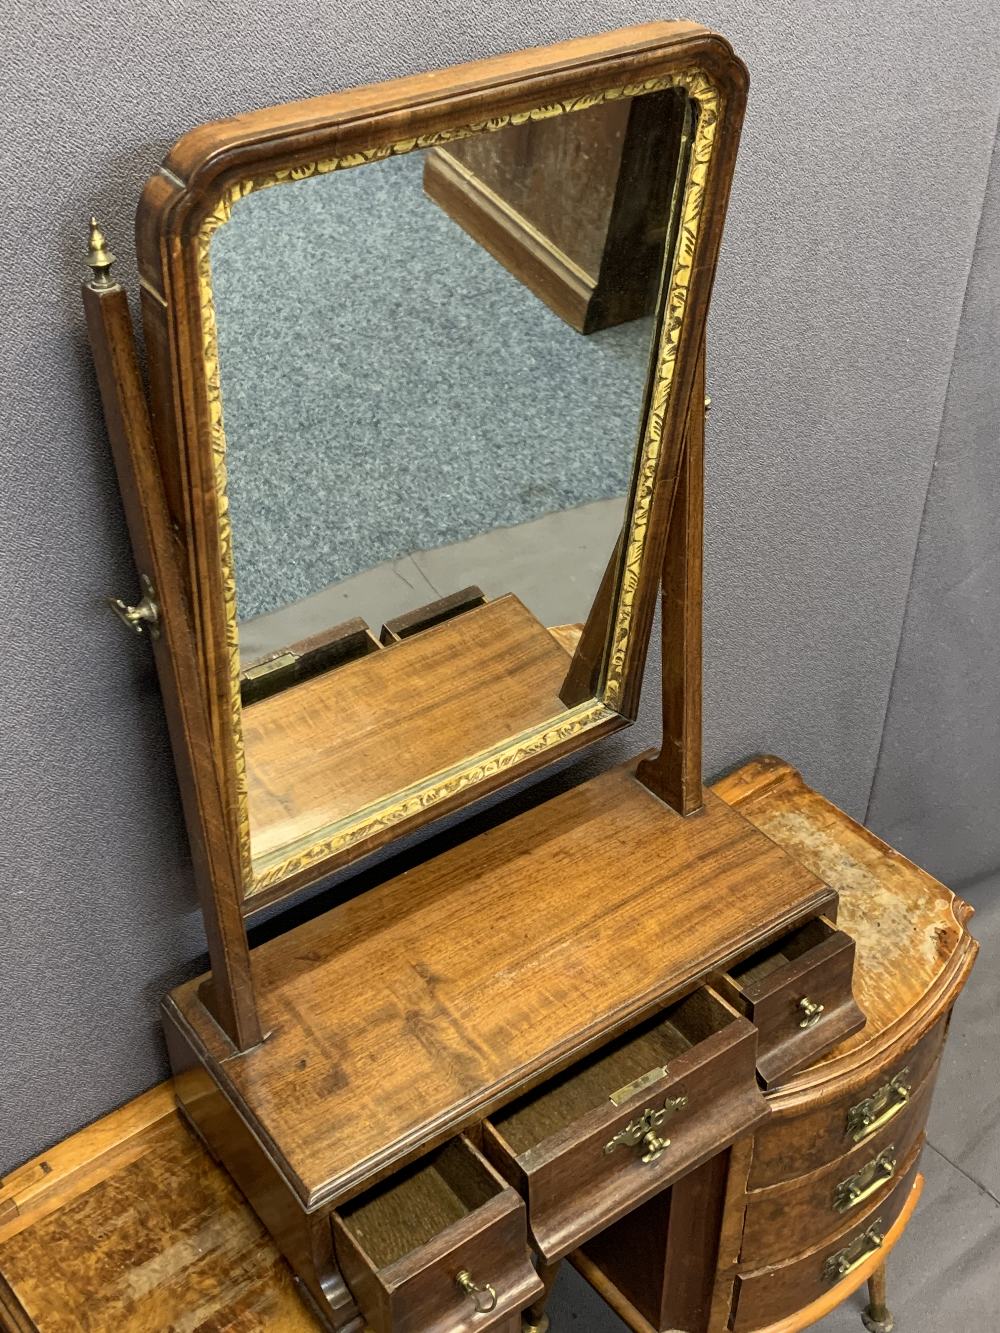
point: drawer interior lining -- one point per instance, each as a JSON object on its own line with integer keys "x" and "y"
{"x": 762, "y": 964}
{"x": 418, "y": 1203}
{"x": 585, "y": 1086}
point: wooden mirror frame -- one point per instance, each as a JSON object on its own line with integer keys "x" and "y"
{"x": 172, "y": 466}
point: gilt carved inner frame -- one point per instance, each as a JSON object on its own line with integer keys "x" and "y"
{"x": 213, "y": 167}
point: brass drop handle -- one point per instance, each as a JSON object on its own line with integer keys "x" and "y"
{"x": 485, "y": 1296}
{"x": 866, "y": 1182}
{"x": 144, "y": 615}
{"x": 811, "y": 1012}
{"x": 868, "y": 1117}
{"x": 641, "y": 1133}
{"x": 853, "y": 1256}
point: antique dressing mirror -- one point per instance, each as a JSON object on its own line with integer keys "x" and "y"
{"x": 427, "y": 454}
{"x": 421, "y": 442}
{"x": 422, "y": 360}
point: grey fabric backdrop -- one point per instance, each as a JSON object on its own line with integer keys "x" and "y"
{"x": 851, "y": 296}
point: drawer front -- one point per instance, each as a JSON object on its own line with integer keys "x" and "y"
{"x": 816, "y": 1206}
{"x": 765, "y": 1296}
{"x": 473, "y": 1275}
{"x": 791, "y": 1145}
{"x": 802, "y": 1004}
{"x": 582, "y": 1179}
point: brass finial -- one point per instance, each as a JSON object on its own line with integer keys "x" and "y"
{"x": 100, "y": 258}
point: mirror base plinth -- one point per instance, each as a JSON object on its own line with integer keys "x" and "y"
{"x": 425, "y": 981}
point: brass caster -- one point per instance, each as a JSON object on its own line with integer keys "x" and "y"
{"x": 542, "y": 1326}
{"x": 877, "y": 1320}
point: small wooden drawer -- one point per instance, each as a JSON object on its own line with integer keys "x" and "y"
{"x": 790, "y": 1145}
{"x": 797, "y": 992}
{"x": 815, "y": 1206}
{"x": 617, "y": 1128}
{"x": 439, "y": 1248}
{"x": 770, "y": 1294}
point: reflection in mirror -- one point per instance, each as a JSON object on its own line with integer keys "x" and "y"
{"x": 434, "y": 371}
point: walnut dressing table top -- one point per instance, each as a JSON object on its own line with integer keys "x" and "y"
{"x": 128, "y": 1225}
{"x": 402, "y": 1016}
{"x": 913, "y": 950}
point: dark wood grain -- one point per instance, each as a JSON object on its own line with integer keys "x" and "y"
{"x": 304, "y": 1239}
{"x": 401, "y": 1248}
{"x": 805, "y": 1207}
{"x": 304, "y": 658}
{"x": 424, "y": 617}
{"x": 661, "y": 1258}
{"x": 796, "y": 1144}
{"x": 132, "y": 1214}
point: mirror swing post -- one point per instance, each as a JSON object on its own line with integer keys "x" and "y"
{"x": 675, "y": 774}
{"x": 228, "y": 991}
{"x": 570, "y": 1030}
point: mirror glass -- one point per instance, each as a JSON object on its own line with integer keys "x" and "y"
{"x": 434, "y": 371}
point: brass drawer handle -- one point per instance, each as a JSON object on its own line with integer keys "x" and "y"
{"x": 872, "y": 1176}
{"x": 851, "y": 1256}
{"x": 869, "y": 1116}
{"x": 811, "y": 1012}
{"x": 485, "y": 1296}
{"x": 641, "y": 1133}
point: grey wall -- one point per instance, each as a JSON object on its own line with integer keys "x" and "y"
{"x": 838, "y": 328}
{"x": 936, "y": 792}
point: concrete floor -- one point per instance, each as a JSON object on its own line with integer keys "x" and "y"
{"x": 945, "y": 1272}
{"x": 554, "y": 564}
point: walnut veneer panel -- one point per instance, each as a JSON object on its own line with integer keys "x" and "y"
{"x": 772, "y": 1294}
{"x": 802, "y": 1138}
{"x": 332, "y": 745}
{"x": 140, "y": 1232}
{"x": 404, "y": 1015}
{"x": 806, "y": 1207}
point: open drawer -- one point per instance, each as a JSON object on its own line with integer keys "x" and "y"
{"x": 613, "y": 1130}
{"x": 797, "y": 992}
{"x": 438, "y": 1248}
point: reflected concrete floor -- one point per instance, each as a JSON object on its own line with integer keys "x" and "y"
{"x": 945, "y": 1272}
{"x": 554, "y": 564}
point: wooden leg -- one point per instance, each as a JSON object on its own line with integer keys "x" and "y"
{"x": 877, "y": 1318}
{"x": 534, "y": 1319}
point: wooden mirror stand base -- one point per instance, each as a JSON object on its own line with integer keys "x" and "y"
{"x": 765, "y": 1210}
{"x": 426, "y": 1011}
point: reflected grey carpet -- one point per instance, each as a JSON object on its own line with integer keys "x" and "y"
{"x": 388, "y": 387}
